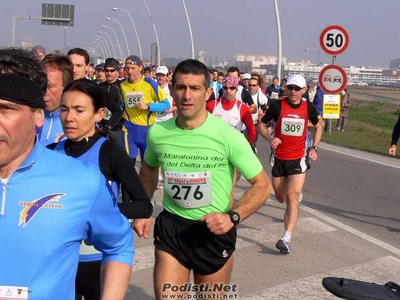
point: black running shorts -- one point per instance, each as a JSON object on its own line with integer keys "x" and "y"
{"x": 285, "y": 168}
{"x": 87, "y": 281}
{"x": 192, "y": 243}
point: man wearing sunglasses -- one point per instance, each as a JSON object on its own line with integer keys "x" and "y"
{"x": 233, "y": 111}
{"x": 112, "y": 88}
{"x": 291, "y": 116}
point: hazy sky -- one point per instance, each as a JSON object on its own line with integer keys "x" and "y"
{"x": 222, "y": 27}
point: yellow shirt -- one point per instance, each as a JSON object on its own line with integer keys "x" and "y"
{"x": 146, "y": 90}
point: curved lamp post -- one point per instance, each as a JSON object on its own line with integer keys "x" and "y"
{"x": 120, "y": 51}
{"x": 106, "y": 43}
{"x": 99, "y": 46}
{"x": 155, "y": 32}
{"x": 123, "y": 32}
{"x": 123, "y": 54}
{"x": 190, "y": 27}
{"x": 278, "y": 26}
{"x": 134, "y": 27}
{"x": 109, "y": 38}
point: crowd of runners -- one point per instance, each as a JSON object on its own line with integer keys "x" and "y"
{"x": 196, "y": 131}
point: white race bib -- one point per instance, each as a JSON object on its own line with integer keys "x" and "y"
{"x": 188, "y": 190}
{"x": 292, "y": 126}
{"x": 13, "y": 292}
{"x": 132, "y": 98}
{"x": 274, "y": 95}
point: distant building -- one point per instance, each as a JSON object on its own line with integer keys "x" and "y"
{"x": 154, "y": 54}
{"x": 201, "y": 56}
{"x": 395, "y": 64}
{"x": 171, "y": 61}
{"x": 311, "y": 71}
{"x": 27, "y": 42}
{"x": 262, "y": 64}
{"x": 146, "y": 62}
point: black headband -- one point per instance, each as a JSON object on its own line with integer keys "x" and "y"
{"x": 21, "y": 90}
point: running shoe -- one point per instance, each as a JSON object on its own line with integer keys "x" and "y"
{"x": 283, "y": 245}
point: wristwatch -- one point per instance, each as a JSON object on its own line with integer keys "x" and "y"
{"x": 315, "y": 148}
{"x": 235, "y": 218}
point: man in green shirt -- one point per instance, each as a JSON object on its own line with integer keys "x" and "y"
{"x": 197, "y": 153}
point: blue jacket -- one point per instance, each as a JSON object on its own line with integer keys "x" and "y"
{"x": 48, "y": 206}
{"x": 319, "y": 99}
{"x": 87, "y": 252}
{"x": 51, "y": 131}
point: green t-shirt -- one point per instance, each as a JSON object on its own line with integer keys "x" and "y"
{"x": 198, "y": 165}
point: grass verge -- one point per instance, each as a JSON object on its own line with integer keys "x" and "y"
{"x": 369, "y": 126}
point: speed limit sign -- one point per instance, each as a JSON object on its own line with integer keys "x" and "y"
{"x": 334, "y": 40}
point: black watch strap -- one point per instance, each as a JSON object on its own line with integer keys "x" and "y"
{"x": 235, "y": 217}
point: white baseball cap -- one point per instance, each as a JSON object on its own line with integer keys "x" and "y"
{"x": 162, "y": 70}
{"x": 296, "y": 80}
{"x": 246, "y": 76}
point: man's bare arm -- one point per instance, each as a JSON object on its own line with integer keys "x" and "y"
{"x": 149, "y": 177}
{"x": 255, "y": 196}
{"x": 115, "y": 280}
{"x": 249, "y": 203}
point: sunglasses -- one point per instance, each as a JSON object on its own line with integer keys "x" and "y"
{"x": 229, "y": 88}
{"x": 293, "y": 87}
{"x": 110, "y": 70}
{"x": 253, "y": 85}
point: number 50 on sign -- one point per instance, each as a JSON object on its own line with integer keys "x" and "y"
{"x": 334, "y": 40}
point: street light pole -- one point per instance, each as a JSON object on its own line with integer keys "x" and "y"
{"x": 100, "y": 41}
{"x": 134, "y": 27}
{"x": 155, "y": 32}
{"x": 190, "y": 27}
{"x": 105, "y": 43}
{"x": 111, "y": 43}
{"x": 314, "y": 49}
{"x": 15, "y": 19}
{"x": 123, "y": 54}
{"x": 123, "y": 32}
{"x": 120, "y": 52}
{"x": 99, "y": 47}
{"x": 278, "y": 26}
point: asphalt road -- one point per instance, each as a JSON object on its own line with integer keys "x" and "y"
{"x": 348, "y": 226}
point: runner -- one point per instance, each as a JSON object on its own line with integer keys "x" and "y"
{"x": 59, "y": 72}
{"x": 395, "y": 138}
{"x": 198, "y": 153}
{"x": 112, "y": 88}
{"x": 81, "y": 60}
{"x": 291, "y": 117}
{"x": 233, "y": 111}
{"x": 260, "y": 100}
{"x": 82, "y": 106}
{"x": 50, "y": 202}
{"x": 143, "y": 98}
{"x": 162, "y": 76}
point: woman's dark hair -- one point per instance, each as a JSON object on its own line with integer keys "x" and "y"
{"x": 90, "y": 88}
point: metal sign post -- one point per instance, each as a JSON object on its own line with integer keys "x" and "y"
{"x": 334, "y": 40}
{"x": 52, "y": 14}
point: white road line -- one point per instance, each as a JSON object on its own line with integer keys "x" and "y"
{"x": 381, "y": 270}
{"x": 360, "y": 157}
{"x": 351, "y": 230}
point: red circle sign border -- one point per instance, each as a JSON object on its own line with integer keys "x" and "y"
{"x": 321, "y": 83}
{"x": 346, "y": 35}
